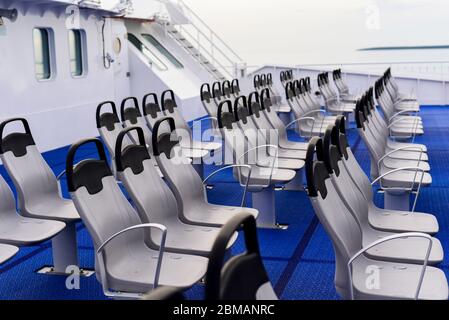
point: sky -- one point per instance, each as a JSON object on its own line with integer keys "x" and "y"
{"x": 321, "y": 31}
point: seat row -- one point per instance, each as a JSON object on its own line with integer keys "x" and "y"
{"x": 380, "y": 253}
{"x": 265, "y": 81}
{"x": 42, "y": 213}
{"x": 110, "y": 125}
{"x": 169, "y": 233}
{"x": 402, "y": 168}
{"x": 310, "y": 118}
{"x": 255, "y": 136}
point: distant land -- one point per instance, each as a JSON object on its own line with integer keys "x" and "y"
{"x": 405, "y": 48}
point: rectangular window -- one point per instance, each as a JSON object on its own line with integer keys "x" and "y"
{"x": 42, "y": 62}
{"x": 163, "y": 50}
{"x": 76, "y": 53}
{"x": 152, "y": 58}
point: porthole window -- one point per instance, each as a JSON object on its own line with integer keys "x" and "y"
{"x": 76, "y": 48}
{"x": 117, "y": 45}
{"x": 42, "y": 53}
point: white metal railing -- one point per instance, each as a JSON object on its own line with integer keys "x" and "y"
{"x": 206, "y": 41}
{"x": 424, "y": 70}
{"x": 429, "y": 80}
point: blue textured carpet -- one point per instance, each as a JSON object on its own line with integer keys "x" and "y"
{"x": 299, "y": 261}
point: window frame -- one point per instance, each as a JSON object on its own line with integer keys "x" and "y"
{"x": 158, "y": 63}
{"x": 83, "y": 53}
{"x": 51, "y": 53}
{"x": 162, "y": 50}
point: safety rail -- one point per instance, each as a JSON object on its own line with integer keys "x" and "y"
{"x": 200, "y": 41}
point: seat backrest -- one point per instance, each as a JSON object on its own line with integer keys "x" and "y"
{"x": 336, "y": 219}
{"x": 100, "y": 202}
{"x": 226, "y": 89}
{"x": 270, "y": 80}
{"x": 151, "y": 196}
{"x": 359, "y": 177}
{"x": 256, "y": 82}
{"x": 131, "y": 117}
{"x": 235, "y": 87}
{"x": 311, "y": 96}
{"x": 151, "y": 109}
{"x": 32, "y": 176}
{"x": 235, "y": 140}
{"x": 217, "y": 94}
{"x": 365, "y": 132}
{"x": 273, "y": 118}
{"x": 257, "y": 114}
{"x": 348, "y": 191}
{"x": 241, "y": 113}
{"x": 263, "y": 81}
{"x": 109, "y": 125}
{"x": 180, "y": 175}
{"x": 170, "y": 109}
{"x": 208, "y": 101}
{"x": 244, "y": 276}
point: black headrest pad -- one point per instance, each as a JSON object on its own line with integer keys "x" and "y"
{"x": 170, "y": 105}
{"x": 227, "y": 119}
{"x": 152, "y": 109}
{"x": 267, "y": 104}
{"x": 207, "y": 96}
{"x": 242, "y": 114}
{"x": 316, "y": 171}
{"x": 89, "y": 174}
{"x": 108, "y": 120}
{"x": 131, "y": 115}
{"x": 255, "y": 109}
{"x": 331, "y": 152}
{"x": 166, "y": 142}
{"x": 17, "y": 143}
{"x": 133, "y": 157}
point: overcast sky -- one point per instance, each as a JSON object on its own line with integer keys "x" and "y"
{"x": 313, "y": 31}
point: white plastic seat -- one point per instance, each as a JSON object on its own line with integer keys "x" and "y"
{"x": 109, "y": 127}
{"x": 235, "y": 84}
{"x": 277, "y": 124}
{"x": 255, "y": 137}
{"x": 156, "y": 203}
{"x": 400, "y": 250}
{"x": 186, "y": 184}
{"x": 208, "y": 101}
{"x": 22, "y": 231}
{"x": 39, "y": 193}
{"x": 400, "y": 121}
{"x": 170, "y": 109}
{"x": 383, "y": 132}
{"x": 395, "y": 280}
{"x": 379, "y": 218}
{"x": 306, "y": 126}
{"x": 399, "y": 281}
{"x": 244, "y": 153}
{"x": 332, "y": 101}
{"x": 259, "y": 126}
{"x": 381, "y": 158}
{"x": 7, "y": 252}
{"x": 125, "y": 265}
{"x": 343, "y": 88}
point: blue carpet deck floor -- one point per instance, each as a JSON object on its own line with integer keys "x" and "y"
{"x": 299, "y": 261}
